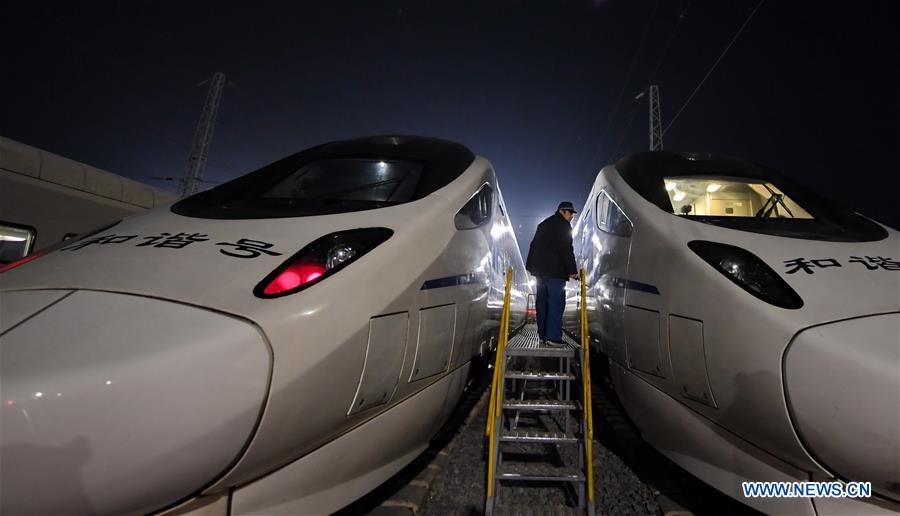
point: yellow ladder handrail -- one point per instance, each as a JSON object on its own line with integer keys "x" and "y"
{"x": 588, "y": 410}
{"x": 497, "y": 383}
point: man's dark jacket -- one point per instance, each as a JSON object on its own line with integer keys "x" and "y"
{"x": 551, "y": 254}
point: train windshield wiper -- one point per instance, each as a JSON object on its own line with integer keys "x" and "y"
{"x": 775, "y": 199}
{"x": 336, "y": 195}
{"x": 373, "y": 202}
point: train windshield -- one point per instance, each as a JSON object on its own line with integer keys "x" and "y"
{"x": 349, "y": 181}
{"x": 737, "y": 194}
{"x": 731, "y": 197}
{"x": 338, "y": 177}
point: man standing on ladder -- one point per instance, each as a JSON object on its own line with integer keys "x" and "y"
{"x": 551, "y": 260}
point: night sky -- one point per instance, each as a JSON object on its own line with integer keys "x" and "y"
{"x": 543, "y": 89}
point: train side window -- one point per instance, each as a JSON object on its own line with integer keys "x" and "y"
{"x": 610, "y": 218}
{"x": 602, "y": 202}
{"x": 16, "y": 241}
{"x": 477, "y": 211}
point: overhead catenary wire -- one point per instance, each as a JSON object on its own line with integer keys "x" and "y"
{"x": 665, "y": 50}
{"x": 713, "y": 67}
{"x": 659, "y": 62}
{"x": 631, "y": 67}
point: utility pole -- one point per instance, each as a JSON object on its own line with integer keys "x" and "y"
{"x": 656, "y": 132}
{"x": 203, "y": 137}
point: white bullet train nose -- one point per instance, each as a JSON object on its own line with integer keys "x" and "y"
{"x": 843, "y": 389}
{"x": 121, "y": 404}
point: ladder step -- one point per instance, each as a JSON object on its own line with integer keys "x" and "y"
{"x": 531, "y": 436}
{"x": 537, "y": 510}
{"x": 539, "y": 405}
{"x": 527, "y": 343}
{"x": 536, "y": 471}
{"x": 538, "y": 375}
{"x": 543, "y": 351}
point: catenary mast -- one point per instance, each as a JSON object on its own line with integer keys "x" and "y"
{"x": 203, "y": 137}
{"x": 656, "y": 132}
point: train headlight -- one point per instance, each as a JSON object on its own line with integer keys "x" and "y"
{"x": 319, "y": 260}
{"x": 749, "y": 272}
{"x": 339, "y": 254}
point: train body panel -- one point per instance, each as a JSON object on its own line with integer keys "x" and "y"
{"x": 662, "y": 310}
{"x": 409, "y": 313}
{"x": 322, "y": 479}
{"x": 133, "y": 362}
{"x": 700, "y": 446}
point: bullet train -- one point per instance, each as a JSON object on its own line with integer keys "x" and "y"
{"x": 752, "y": 329}
{"x": 279, "y": 344}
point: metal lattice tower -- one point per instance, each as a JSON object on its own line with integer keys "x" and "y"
{"x": 203, "y": 137}
{"x": 656, "y": 131}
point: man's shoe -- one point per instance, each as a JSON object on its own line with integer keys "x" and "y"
{"x": 556, "y": 344}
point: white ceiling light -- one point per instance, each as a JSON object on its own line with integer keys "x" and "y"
{"x": 670, "y": 186}
{"x": 713, "y": 187}
{"x": 678, "y": 196}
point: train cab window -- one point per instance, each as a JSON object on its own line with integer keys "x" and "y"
{"x": 602, "y": 206}
{"x": 15, "y": 241}
{"x": 337, "y": 177}
{"x": 610, "y": 218}
{"x": 740, "y": 195}
{"x": 730, "y": 197}
{"x": 477, "y": 211}
{"x": 349, "y": 180}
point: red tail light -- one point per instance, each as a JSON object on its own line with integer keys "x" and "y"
{"x": 296, "y": 275}
{"x": 319, "y": 260}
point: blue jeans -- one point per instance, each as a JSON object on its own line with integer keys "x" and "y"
{"x": 550, "y": 301}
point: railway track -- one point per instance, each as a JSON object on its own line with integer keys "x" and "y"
{"x": 630, "y": 476}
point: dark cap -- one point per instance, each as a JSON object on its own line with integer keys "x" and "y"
{"x": 566, "y": 205}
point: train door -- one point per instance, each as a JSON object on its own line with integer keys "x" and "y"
{"x": 477, "y": 324}
{"x": 613, "y": 249}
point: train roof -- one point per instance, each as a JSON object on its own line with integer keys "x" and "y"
{"x": 439, "y": 162}
{"x": 25, "y": 160}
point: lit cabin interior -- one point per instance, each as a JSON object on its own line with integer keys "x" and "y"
{"x": 730, "y": 197}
